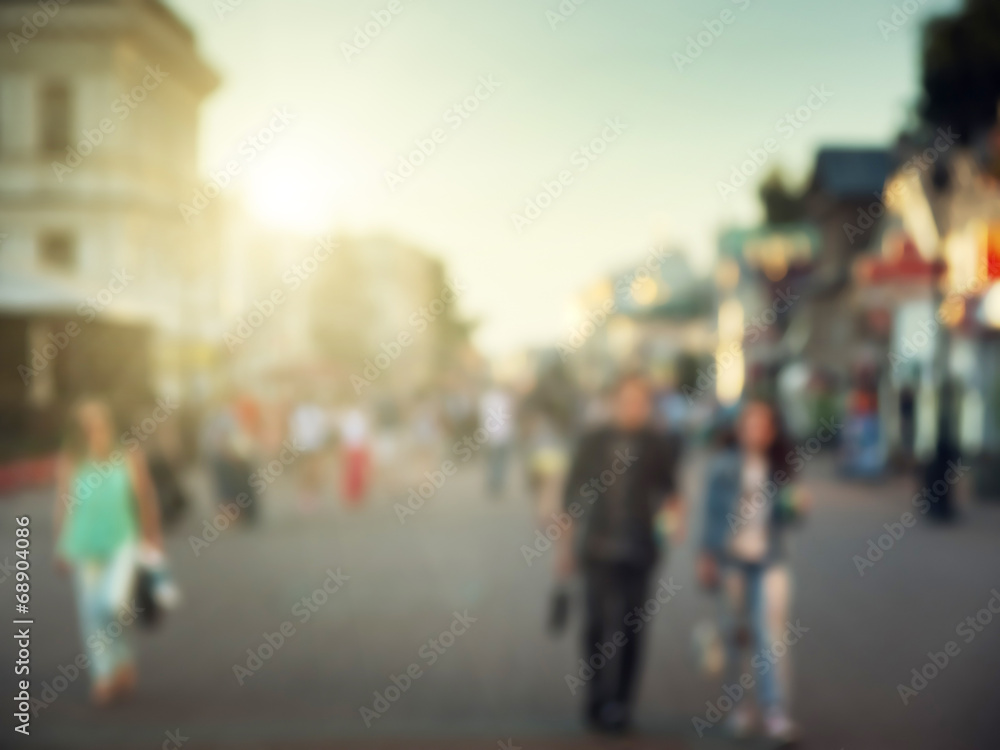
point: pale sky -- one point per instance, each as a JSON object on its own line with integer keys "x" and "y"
{"x": 685, "y": 130}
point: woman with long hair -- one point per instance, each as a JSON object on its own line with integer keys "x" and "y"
{"x": 105, "y": 504}
{"x": 750, "y": 503}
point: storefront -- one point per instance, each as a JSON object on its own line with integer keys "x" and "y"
{"x": 53, "y": 350}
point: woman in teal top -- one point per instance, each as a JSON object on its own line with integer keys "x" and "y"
{"x": 105, "y": 504}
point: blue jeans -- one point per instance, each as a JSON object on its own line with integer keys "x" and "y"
{"x": 103, "y": 591}
{"x": 497, "y": 457}
{"x": 746, "y": 607}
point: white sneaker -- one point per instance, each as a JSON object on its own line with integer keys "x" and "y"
{"x": 739, "y": 722}
{"x": 777, "y": 726}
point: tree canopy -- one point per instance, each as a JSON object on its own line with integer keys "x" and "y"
{"x": 961, "y": 69}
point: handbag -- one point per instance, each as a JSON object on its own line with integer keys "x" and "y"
{"x": 559, "y": 610}
{"x": 150, "y": 612}
{"x": 155, "y": 591}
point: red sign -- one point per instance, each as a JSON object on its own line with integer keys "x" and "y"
{"x": 993, "y": 252}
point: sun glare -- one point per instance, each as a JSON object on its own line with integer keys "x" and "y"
{"x": 292, "y": 195}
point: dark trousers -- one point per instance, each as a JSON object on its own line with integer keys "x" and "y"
{"x": 613, "y": 591}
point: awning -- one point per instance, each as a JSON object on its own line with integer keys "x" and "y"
{"x": 30, "y": 295}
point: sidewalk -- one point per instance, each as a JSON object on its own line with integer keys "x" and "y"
{"x": 505, "y": 679}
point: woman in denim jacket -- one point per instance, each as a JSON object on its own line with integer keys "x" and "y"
{"x": 748, "y": 507}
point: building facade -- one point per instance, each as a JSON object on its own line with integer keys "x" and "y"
{"x": 104, "y": 287}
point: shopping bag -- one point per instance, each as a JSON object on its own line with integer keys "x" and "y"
{"x": 156, "y": 593}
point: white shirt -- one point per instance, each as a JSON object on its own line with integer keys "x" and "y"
{"x": 496, "y": 415}
{"x": 309, "y": 428}
{"x": 354, "y": 428}
{"x": 749, "y": 542}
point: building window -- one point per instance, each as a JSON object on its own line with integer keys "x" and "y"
{"x": 57, "y": 250}
{"x": 55, "y": 117}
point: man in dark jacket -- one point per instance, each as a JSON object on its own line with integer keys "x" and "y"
{"x": 621, "y": 483}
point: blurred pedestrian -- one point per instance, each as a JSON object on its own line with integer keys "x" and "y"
{"x": 310, "y": 432}
{"x": 550, "y": 415}
{"x": 355, "y": 438}
{"x": 670, "y": 410}
{"x": 386, "y": 445}
{"x": 548, "y": 461}
{"x": 496, "y": 409}
{"x": 907, "y": 423}
{"x": 937, "y": 471}
{"x": 863, "y": 450}
{"x": 750, "y": 503}
{"x": 622, "y": 480}
{"x": 426, "y": 431}
{"x": 458, "y": 412}
{"x": 164, "y": 461}
{"x": 232, "y": 456}
{"x": 105, "y": 505}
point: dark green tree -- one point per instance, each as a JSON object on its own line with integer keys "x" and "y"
{"x": 961, "y": 70}
{"x": 451, "y": 331}
{"x": 781, "y": 204}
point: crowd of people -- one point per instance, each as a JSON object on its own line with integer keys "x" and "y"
{"x": 609, "y": 462}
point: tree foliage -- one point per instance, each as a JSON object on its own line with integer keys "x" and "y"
{"x": 782, "y": 205}
{"x": 961, "y": 69}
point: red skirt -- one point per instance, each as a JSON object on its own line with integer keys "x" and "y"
{"x": 355, "y": 474}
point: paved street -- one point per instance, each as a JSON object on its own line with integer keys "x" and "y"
{"x": 501, "y": 678}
